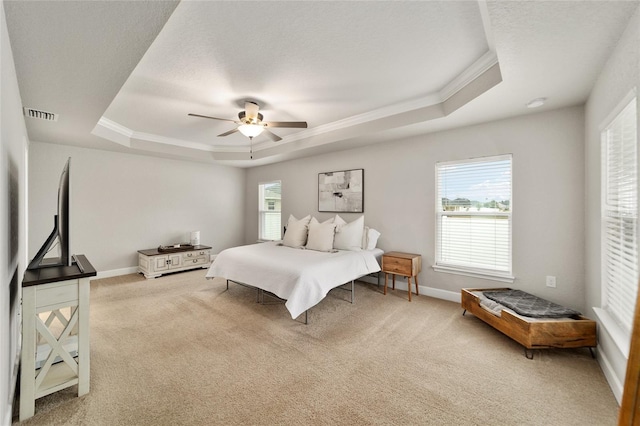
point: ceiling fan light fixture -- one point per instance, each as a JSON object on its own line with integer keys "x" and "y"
{"x": 251, "y": 130}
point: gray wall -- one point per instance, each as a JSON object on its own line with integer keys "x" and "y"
{"x": 13, "y": 252}
{"x": 121, "y": 203}
{"x": 620, "y": 74}
{"x": 548, "y": 197}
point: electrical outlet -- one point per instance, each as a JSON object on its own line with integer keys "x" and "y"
{"x": 551, "y": 281}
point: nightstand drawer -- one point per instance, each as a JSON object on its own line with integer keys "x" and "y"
{"x": 396, "y": 265}
{"x": 407, "y": 264}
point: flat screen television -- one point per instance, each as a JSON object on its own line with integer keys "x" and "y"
{"x": 60, "y": 230}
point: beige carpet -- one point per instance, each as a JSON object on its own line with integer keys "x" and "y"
{"x": 182, "y": 350}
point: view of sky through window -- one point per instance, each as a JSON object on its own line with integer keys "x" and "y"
{"x": 476, "y": 185}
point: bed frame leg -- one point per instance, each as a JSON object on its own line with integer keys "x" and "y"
{"x": 464, "y": 312}
{"x": 353, "y": 291}
{"x": 528, "y": 353}
{"x": 593, "y": 354}
{"x": 227, "y": 284}
{"x": 306, "y": 317}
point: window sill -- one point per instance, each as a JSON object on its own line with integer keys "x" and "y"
{"x": 475, "y": 274}
{"x": 619, "y": 337}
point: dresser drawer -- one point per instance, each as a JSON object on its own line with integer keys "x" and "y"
{"x": 188, "y": 256}
{"x": 195, "y": 261}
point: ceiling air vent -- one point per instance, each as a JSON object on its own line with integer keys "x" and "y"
{"x": 41, "y": 115}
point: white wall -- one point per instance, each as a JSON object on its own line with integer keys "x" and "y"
{"x": 620, "y": 74}
{"x": 121, "y": 203}
{"x": 548, "y": 197}
{"x": 13, "y": 163}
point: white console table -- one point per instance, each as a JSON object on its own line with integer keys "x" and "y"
{"x": 153, "y": 263}
{"x": 50, "y": 363}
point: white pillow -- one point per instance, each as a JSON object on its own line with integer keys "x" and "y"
{"x": 372, "y": 238}
{"x": 314, "y": 220}
{"x": 296, "y": 235}
{"x": 321, "y": 236}
{"x": 293, "y": 219}
{"x": 365, "y": 238}
{"x": 340, "y": 222}
{"x": 349, "y": 236}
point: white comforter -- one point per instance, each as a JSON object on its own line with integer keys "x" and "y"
{"x": 301, "y": 277}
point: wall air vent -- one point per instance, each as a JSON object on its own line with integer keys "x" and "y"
{"x": 41, "y": 115}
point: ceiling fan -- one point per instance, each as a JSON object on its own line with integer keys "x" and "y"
{"x": 251, "y": 125}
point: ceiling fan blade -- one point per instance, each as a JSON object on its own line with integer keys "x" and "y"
{"x": 272, "y": 136}
{"x": 230, "y": 132}
{"x": 251, "y": 110}
{"x": 297, "y": 124}
{"x": 213, "y": 118}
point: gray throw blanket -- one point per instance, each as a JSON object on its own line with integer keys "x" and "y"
{"x": 529, "y": 305}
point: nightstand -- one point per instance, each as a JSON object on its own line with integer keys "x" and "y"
{"x": 406, "y": 264}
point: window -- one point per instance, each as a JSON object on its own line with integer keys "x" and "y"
{"x": 620, "y": 215}
{"x": 473, "y": 217}
{"x": 269, "y": 207}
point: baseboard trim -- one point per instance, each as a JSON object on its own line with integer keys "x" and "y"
{"x": 610, "y": 375}
{"x": 436, "y": 293}
{"x": 116, "y": 272}
{"x": 451, "y": 296}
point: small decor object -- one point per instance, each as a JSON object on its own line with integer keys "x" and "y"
{"x": 341, "y": 191}
{"x": 195, "y": 238}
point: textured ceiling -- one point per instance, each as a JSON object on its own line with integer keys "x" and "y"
{"x": 124, "y": 75}
{"x": 314, "y": 61}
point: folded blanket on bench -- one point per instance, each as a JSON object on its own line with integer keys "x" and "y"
{"x": 529, "y": 305}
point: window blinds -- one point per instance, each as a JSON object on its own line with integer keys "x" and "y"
{"x": 269, "y": 210}
{"x": 473, "y": 210}
{"x": 620, "y": 216}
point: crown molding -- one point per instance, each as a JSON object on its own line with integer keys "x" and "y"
{"x": 479, "y": 67}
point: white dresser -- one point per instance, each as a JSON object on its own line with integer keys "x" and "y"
{"x": 153, "y": 263}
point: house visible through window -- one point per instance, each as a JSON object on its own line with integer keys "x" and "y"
{"x": 269, "y": 207}
{"x": 473, "y": 217}
{"x": 620, "y": 215}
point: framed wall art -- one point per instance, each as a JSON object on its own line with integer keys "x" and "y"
{"x": 341, "y": 191}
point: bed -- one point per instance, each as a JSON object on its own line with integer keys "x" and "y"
{"x": 574, "y": 331}
{"x": 301, "y": 277}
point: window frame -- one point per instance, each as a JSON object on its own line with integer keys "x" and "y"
{"x": 620, "y": 332}
{"x": 262, "y": 210}
{"x": 453, "y": 268}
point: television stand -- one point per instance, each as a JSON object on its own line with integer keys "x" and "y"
{"x": 50, "y": 363}
{"x": 154, "y": 263}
